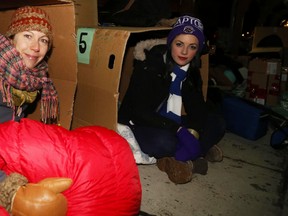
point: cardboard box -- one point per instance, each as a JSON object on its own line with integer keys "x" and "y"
{"x": 104, "y": 70}
{"x": 261, "y": 33}
{"x": 284, "y": 79}
{"x": 264, "y": 89}
{"x": 244, "y": 60}
{"x": 270, "y": 42}
{"x": 85, "y": 12}
{"x": 265, "y": 66}
{"x": 218, "y": 74}
{"x": 63, "y": 61}
{"x": 264, "y": 81}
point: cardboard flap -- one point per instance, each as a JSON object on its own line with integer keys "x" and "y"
{"x": 86, "y": 13}
{"x": 63, "y": 61}
{"x": 266, "y": 50}
{"x": 105, "y": 65}
{"x": 94, "y": 106}
{"x": 9, "y": 4}
{"x": 272, "y": 33}
{"x": 98, "y": 81}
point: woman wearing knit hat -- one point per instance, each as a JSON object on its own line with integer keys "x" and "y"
{"x": 164, "y": 105}
{"x": 23, "y": 70}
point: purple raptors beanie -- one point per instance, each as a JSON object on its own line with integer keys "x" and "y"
{"x": 187, "y": 25}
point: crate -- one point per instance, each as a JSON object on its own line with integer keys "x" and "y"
{"x": 244, "y": 119}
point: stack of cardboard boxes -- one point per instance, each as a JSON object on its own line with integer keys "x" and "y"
{"x": 264, "y": 81}
{"x": 266, "y": 77}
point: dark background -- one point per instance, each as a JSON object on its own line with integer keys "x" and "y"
{"x": 231, "y": 23}
{"x": 227, "y": 23}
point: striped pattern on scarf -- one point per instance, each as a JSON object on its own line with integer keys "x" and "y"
{"x": 172, "y": 108}
{"x": 14, "y": 73}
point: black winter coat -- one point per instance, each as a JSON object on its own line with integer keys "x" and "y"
{"x": 149, "y": 88}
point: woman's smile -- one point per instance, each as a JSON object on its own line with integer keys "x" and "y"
{"x": 32, "y": 46}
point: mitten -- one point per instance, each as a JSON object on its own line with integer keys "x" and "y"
{"x": 188, "y": 147}
{"x": 43, "y": 198}
{"x": 9, "y": 184}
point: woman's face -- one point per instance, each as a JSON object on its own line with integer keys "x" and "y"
{"x": 183, "y": 48}
{"x": 32, "y": 46}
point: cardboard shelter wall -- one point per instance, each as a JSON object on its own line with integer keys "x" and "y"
{"x": 280, "y": 51}
{"x": 262, "y": 32}
{"x": 86, "y": 11}
{"x": 63, "y": 60}
{"x": 102, "y": 81}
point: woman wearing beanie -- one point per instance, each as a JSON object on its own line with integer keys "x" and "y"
{"x": 164, "y": 104}
{"x": 23, "y": 70}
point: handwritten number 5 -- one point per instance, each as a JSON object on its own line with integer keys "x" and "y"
{"x": 82, "y": 42}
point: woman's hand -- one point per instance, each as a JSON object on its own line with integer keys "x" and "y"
{"x": 188, "y": 147}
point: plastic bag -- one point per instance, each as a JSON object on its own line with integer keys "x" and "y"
{"x": 139, "y": 156}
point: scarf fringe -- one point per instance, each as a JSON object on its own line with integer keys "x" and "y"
{"x": 49, "y": 110}
{"x": 5, "y": 89}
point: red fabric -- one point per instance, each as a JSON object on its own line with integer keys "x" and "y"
{"x": 100, "y": 162}
{"x": 3, "y": 212}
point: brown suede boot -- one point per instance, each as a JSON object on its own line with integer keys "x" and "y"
{"x": 215, "y": 154}
{"x": 178, "y": 172}
{"x": 200, "y": 166}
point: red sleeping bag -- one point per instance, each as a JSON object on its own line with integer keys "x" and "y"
{"x": 99, "y": 161}
{"x": 3, "y": 212}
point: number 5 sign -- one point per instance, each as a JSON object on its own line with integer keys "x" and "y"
{"x": 84, "y": 43}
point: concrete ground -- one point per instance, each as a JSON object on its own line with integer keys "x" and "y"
{"x": 250, "y": 181}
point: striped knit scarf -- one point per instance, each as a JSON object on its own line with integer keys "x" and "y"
{"x": 172, "y": 108}
{"x": 14, "y": 73}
